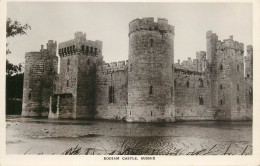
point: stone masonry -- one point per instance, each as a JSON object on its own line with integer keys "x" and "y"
{"x": 148, "y": 87}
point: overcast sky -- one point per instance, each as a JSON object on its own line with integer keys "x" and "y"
{"x": 108, "y": 22}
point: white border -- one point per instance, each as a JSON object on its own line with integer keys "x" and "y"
{"x": 44, "y": 160}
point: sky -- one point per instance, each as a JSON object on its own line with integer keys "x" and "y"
{"x": 109, "y": 22}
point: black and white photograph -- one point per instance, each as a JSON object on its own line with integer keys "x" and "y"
{"x": 129, "y": 80}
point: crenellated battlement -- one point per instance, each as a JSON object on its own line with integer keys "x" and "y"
{"x": 80, "y": 44}
{"x": 199, "y": 64}
{"x": 148, "y": 24}
{"x": 230, "y": 44}
{"x": 113, "y": 67}
{"x": 249, "y": 48}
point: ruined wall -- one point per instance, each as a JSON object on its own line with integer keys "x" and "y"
{"x": 112, "y": 75}
{"x": 40, "y": 70}
{"x": 150, "y": 71}
{"x": 192, "y": 95}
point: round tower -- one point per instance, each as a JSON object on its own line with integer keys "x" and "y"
{"x": 150, "y": 71}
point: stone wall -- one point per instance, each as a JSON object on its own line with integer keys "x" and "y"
{"x": 112, "y": 75}
{"x": 39, "y": 79}
{"x": 150, "y": 71}
{"x": 192, "y": 95}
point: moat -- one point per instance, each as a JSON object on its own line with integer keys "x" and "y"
{"x": 45, "y": 136}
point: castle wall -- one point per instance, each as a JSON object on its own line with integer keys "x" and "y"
{"x": 113, "y": 75}
{"x": 40, "y": 70}
{"x": 150, "y": 71}
{"x": 192, "y": 96}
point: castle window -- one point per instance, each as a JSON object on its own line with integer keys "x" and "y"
{"x": 87, "y": 50}
{"x": 201, "y": 82}
{"x": 74, "y": 47}
{"x": 111, "y": 94}
{"x": 237, "y": 100}
{"x": 221, "y": 102}
{"x": 251, "y": 95}
{"x": 95, "y": 51}
{"x": 171, "y": 92}
{"x": 91, "y": 50}
{"x": 67, "y": 83}
{"x": 221, "y": 66}
{"x": 237, "y": 87}
{"x": 201, "y": 101}
{"x": 59, "y": 51}
{"x": 68, "y": 62}
{"x": 151, "y": 42}
{"x": 30, "y": 95}
{"x": 237, "y": 67}
{"x": 88, "y": 61}
{"x": 130, "y": 112}
{"x": 82, "y": 48}
{"x": 175, "y": 83}
{"x": 220, "y": 86}
{"x": 151, "y": 113}
{"x": 150, "y": 90}
{"x": 70, "y": 48}
{"x": 187, "y": 84}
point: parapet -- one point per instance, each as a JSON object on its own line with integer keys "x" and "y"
{"x": 113, "y": 67}
{"x": 230, "y": 44}
{"x": 148, "y": 24}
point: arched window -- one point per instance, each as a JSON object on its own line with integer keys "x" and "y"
{"x": 151, "y": 42}
{"x": 221, "y": 66}
{"x": 187, "y": 84}
{"x": 237, "y": 67}
{"x": 151, "y": 90}
{"x": 221, "y": 102}
{"x": 68, "y": 62}
{"x": 201, "y": 82}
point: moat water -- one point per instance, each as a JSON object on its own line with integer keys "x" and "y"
{"x": 44, "y": 136}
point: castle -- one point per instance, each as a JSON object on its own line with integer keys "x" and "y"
{"x": 148, "y": 87}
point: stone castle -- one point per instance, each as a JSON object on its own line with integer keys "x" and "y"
{"x": 148, "y": 87}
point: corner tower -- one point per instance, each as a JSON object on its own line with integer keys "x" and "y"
{"x": 150, "y": 71}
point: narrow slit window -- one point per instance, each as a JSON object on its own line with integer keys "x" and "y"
{"x": 151, "y": 42}
{"x": 67, "y": 83}
{"x": 151, "y": 90}
{"x": 187, "y": 84}
{"x": 111, "y": 94}
{"x": 87, "y": 50}
{"x": 237, "y": 100}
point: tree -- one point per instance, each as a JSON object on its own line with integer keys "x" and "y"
{"x": 14, "y": 75}
{"x": 14, "y": 28}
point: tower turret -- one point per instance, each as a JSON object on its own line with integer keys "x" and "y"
{"x": 150, "y": 71}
